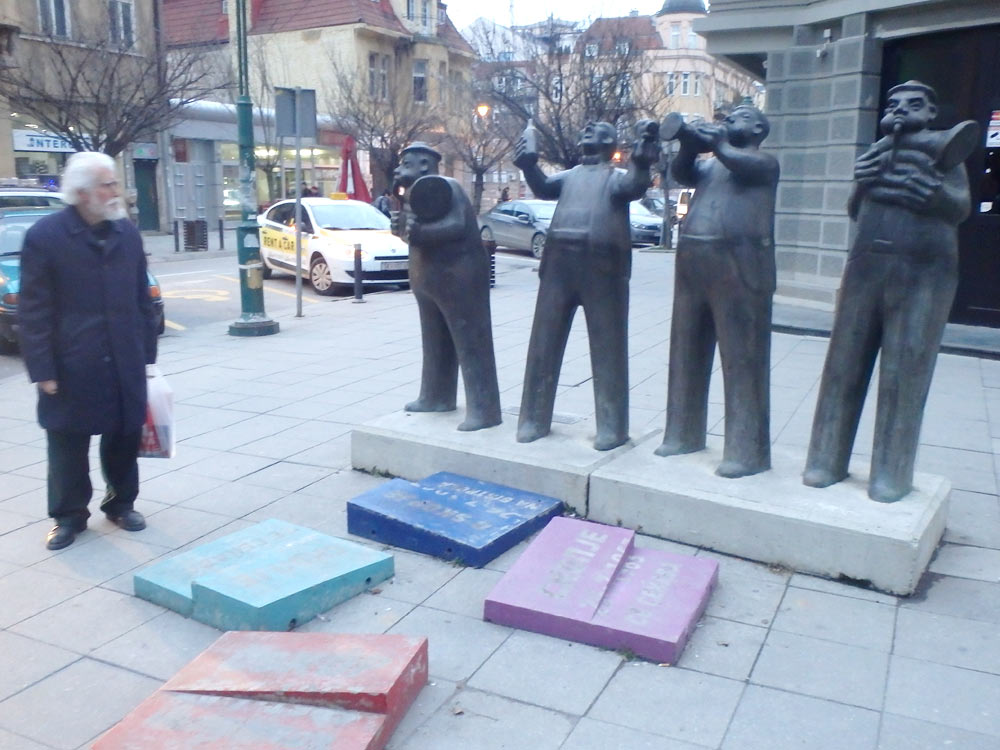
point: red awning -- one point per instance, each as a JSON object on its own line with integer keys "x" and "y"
{"x": 351, "y": 180}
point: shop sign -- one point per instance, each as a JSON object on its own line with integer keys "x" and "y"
{"x": 32, "y": 140}
{"x": 145, "y": 151}
{"x": 993, "y": 131}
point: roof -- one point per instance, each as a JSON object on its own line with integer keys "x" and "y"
{"x": 682, "y": 6}
{"x": 639, "y": 30}
{"x": 194, "y": 22}
{"x": 293, "y": 15}
{"x": 450, "y": 36}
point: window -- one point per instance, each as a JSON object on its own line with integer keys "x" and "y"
{"x": 383, "y": 77}
{"x": 372, "y": 74}
{"x": 625, "y": 88}
{"x": 53, "y": 18}
{"x": 420, "y": 80}
{"x": 685, "y": 84}
{"x": 411, "y": 9}
{"x": 671, "y": 84}
{"x": 120, "y": 15}
{"x": 590, "y": 50}
{"x": 224, "y": 7}
{"x": 697, "y": 84}
{"x": 596, "y": 85}
{"x": 442, "y": 81}
{"x": 557, "y": 88}
{"x": 685, "y": 36}
{"x": 675, "y": 35}
{"x": 425, "y": 14}
{"x": 622, "y": 47}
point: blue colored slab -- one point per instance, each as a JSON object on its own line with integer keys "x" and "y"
{"x": 272, "y": 576}
{"x": 450, "y": 516}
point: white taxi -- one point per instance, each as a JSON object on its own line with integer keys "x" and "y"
{"x": 330, "y": 230}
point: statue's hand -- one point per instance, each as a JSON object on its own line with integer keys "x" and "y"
{"x": 915, "y": 177}
{"x": 400, "y": 222}
{"x": 869, "y": 166}
{"x": 710, "y": 134}
{"x": 522, "y": 156}
{"x": 414, "y": 230}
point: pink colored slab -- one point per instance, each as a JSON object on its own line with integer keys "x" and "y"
{"x": 587, "y": 582}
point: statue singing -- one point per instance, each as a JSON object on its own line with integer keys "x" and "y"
{"x": 586, "y": 262}
{"x": 910, "y": 194}
{"x": 724, "y": 280}
{"x": 450, "y": 278}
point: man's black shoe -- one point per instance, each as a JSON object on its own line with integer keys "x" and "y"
{"x": 63, "y": 534}
{"x": 130, "y": 520}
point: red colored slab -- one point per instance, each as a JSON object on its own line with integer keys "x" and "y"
{"x": 282, "y": 691}
{"x": 186, "y": 721}
{"x": 378, "y": 673}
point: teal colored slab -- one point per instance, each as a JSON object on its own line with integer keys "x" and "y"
{"x": 168, "y": 582}
{"x": 272, "y": 576}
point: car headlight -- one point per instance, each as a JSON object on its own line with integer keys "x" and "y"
{"x": 345, "y": 252}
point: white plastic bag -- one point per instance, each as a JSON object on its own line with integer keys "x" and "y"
{"x": 158, "y": 432}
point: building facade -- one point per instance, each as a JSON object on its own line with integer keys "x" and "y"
{"x": 827, "y": 66}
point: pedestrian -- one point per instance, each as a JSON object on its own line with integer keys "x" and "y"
{"x": 88, "y": 330}
{"x": 383, "y": 203}
{"x": 505, "y": 195}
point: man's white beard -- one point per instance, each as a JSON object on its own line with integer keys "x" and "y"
{"x": 114, "y": 210}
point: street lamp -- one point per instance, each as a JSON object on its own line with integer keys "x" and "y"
{"x": 482, "y": 110}
{"x": 253, "y": 320}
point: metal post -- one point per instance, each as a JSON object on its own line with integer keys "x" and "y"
{"x": 222, "y": 234}
{"x": 253, "y": 320}
{"x": 177, "y": 238}
{"x": 298, "y": 202}
{"x": 358, "y": 286}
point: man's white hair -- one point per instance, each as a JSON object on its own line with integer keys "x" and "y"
{"x": 81, "y": 173}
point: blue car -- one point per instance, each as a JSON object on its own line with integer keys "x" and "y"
{"x": 14, "y": 223}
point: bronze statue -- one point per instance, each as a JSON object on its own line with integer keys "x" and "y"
{"x": 586, "y": 262}
{"x": 450, "y": 279}
{"x": 910, "y": 194}
{"x": 724, "y": 279}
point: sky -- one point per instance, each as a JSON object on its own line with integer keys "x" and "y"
{"x": 464, "y": 12}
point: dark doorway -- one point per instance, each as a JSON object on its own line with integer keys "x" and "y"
{"x": 147, "y": 199}
{"x": 963, "y": 66}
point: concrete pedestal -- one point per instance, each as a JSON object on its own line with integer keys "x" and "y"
{"x": 413, "y": 446}
{"x": 773, "y": 518}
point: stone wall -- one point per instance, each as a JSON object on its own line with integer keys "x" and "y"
{"x": 822, "y": 101}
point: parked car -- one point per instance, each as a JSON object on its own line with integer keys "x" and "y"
{"x": 654, "y": 204}
{"x": 519, "y": 225}
{"x": 330, "y": 230}
{"x": 14, "y": 223}
{"x": 646, "y": 226}
{"x": 19, "y": 197}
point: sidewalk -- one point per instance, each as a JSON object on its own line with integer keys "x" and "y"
{"x": 779, "y": 661}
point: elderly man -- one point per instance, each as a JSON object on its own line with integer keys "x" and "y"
{"x": 87, "y": 332}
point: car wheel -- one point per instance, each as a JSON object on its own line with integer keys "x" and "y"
{"x": 163, "y": 324}
{"x": 319, "y": 276}
{"x": 7, "y": 346}
{"x": 486, "y": 235}
{"x": 266, "y": 272}
{"x": 537, "y": 244}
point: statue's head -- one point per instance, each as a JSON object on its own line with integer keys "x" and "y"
{"x": 598, "y": 139}
{"x": 415, "y": 161}
{"x": 746, "y": 125}
{"x": 910, "y": 107}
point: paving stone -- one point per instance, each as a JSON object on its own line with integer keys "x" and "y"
{"x": 327, "y": 515}
{"x": 10, "y": 741}
{"x": 593, "y": 735}
{"x": 366, "y": 613}
{"x": 88, "y": 620}
{"x": 597, "y": 588}
{"x": 775, "y": 720}
{"x": 15, "y": 484}
{"x": 158, "y": 647}
{"x": 955, "y": 697}
{"x": 418, "y": 577}
{"x": 547, "y": 672}
{"x": 963, "y": 561}
{"x": 62, "y": 711}
{"x": 228, "y": 466}
{"x": 26, "y": 545}
{"x": 431, "y": 698}
{"x": 973, "y": 518}
{"x": 458, "y": 645}
{"x": 34, "y": 661}
{"x": 947, "y": 640}
{"x": 958, "y": 597}
{"x": 27, "y": 592}
{"x": 272, "y": 576}
{"x": 803, "y": 581}
{"x": 639, "y": 696}
{"x": 901, "y": 733}
{"x": 822, "y": 669}
{"x": 836, "y": 618}
{"x": 464, "y": 594}
{"x": 472, "y": 719}
{"x": 287, "y": 476}
{"x": 173, "y": 527}
{"x": 748, "y": 600}
{"x": 450, "y": 516}
{"x": 235, "y": 499}
{"x": 723, "y": 647}
{"x": 176, "y": 487}
{"x": 102, "y": 557}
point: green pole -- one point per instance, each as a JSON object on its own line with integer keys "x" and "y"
{"x": 253, "y": 320}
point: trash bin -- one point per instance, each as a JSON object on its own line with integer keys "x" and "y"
{"x": 195, "y": 234}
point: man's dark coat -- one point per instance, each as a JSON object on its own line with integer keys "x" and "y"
{"x": 87, "y": 321}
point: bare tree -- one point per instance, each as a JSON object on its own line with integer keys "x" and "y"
{"x": 267, "y": 149}
{"x": 100, "y": 96}
{"x": 473, "y": 134}
{"x": 380, "y": 110}
{"x": 604, "y": 77}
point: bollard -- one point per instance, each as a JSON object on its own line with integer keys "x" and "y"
{"x": 358, "y": 291}
{"x": 177, "y": 237}
{"x": 222, "y": 235}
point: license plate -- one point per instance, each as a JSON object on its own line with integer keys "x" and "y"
{"x": 395, "y": 265}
